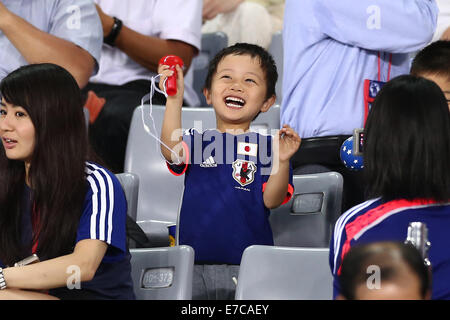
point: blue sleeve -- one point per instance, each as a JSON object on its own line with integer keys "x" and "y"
{"x": 400, "y": 26}
{"x": 104, "y": 212}
{"x": 336, "y": 285}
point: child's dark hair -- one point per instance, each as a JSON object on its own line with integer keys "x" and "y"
{"x": 388, "y": 256}
{"x": 434, "y": 59}
{"x": 265, "y": 59}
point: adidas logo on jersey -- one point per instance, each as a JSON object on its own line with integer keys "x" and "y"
{"x": 209, "y": 163}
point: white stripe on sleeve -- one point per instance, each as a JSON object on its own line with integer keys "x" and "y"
{"x": 106, "y": 188}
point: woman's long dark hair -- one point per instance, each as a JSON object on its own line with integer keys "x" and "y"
{"x": 52, "y": 98}
{"x": 407, "y": 142}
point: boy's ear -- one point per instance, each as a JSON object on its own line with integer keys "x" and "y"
{"x": 207, "y": 95}
{"x": 268, "y": 103}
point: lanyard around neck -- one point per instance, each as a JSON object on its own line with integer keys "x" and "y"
{"x": 389, "y": 68}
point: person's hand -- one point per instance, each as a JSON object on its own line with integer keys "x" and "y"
{"x": 212, "y": 8}
{"x": 107, "y": 21}
{"x": 446, "y": 35}
{"x": 289, "y": 142}
{"x": 165, "y": 72}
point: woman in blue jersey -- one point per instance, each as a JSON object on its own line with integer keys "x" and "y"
{"x": 406, "y": 160}
{"x": 54, "y": 202}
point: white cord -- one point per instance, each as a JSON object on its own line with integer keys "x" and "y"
{"x": 149, "y": 97}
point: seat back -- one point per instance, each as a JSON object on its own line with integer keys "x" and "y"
{"x": 283, "y": 273}
{"x": 308, "y": 219}
{"x": 162, "y": 273}
{"x": 212, "y": 43}
{"x": 276, "y": 50}
{"x": 86, "y": 116}
{"x": 160, "y": 192}
{"x": 130, "y": 186}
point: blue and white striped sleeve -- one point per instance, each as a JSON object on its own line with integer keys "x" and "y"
{"x": 104, "y": 211}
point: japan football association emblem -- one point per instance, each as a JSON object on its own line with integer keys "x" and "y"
{"x": 244, "y": 171}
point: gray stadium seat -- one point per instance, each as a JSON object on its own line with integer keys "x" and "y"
{"x": 276, "y": 50}
{"x": 283, "y": 273}
{"x": 160, "y": 192}
{"x": 162, "y": 273}
{"x": 308, "y": 219}
{"x": 86, "y": 116}
{"x": 212, "y": 43}
{"x": 130, "y": 185}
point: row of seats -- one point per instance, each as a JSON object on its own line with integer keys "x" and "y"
{"x": 266, "y": 273}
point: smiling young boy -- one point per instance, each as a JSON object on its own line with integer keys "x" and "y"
{"x": 233, "y": 176}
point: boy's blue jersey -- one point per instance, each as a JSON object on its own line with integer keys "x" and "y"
{"x": 375, "y": 220}
{"x": 223, "y": 211}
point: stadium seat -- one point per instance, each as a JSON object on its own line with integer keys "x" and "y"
{"x": 86, "y": 116}
{"x": 160, "y": 192}
{"x": 130, "y": 185}
{"x": 276, "y": 50}
{"x": 162, "y": 273}
{"x": 212, "y": 43}
{"x": 308, "y": 219}
{"x": 283, "y": 273}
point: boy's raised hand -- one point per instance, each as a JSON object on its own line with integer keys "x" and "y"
{"x": 289, "y": 142}
{"x": 165, "y": 72}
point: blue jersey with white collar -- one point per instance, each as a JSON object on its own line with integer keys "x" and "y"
{"x": 223, "y": 211}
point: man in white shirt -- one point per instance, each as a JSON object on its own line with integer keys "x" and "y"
{"x": 137, "y": 34}
{"x": 63, "y": 32}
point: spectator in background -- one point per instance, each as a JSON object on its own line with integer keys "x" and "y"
{"x": 384, "y": 271}
{"x": 138, "y": 33}
{"x": 406, "y": 157}
{"x": 332, "y": 49}
{"x": 433, "y": 63}
{"x": 243, "y": 20}
{"x": 443, "y": 23}
{"x": 67, "y": 33}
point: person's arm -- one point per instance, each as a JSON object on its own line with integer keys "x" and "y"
{"x": 211, "y": 8}
{"x": 37, "y": 46}
{"x": 446, "y": 35}
{"x": 277, "y": 186}
{"x": 147, "y": 50}
{"x": 171, "y": 134}
{"x": 400, "y": 26}
{"x": 54, "y": 273}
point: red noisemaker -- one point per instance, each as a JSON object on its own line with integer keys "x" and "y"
{"x": 171, "y": 83}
